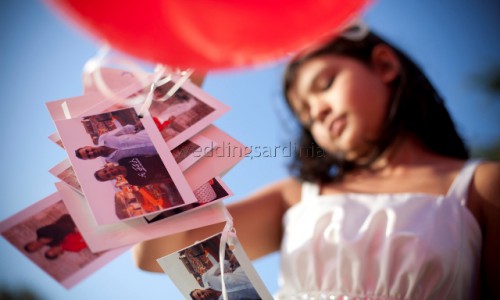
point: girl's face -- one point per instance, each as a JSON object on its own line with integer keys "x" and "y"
{"x": 342, "y": 101}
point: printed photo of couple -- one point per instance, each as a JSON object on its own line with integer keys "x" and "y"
{"x": 196, "y": 271}
{"x": 134, "y": 200}
{"x": 116, "y": 162}
{"x": 185, "y": 155}
{"x": 48, "y": 236}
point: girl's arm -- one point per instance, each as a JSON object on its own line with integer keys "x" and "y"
{"x": 257, "y": 219}
{"x": 486, "y": 190}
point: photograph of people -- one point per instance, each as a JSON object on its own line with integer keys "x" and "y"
{"x": 198, "y": 272}
{"x": 176, "y": 114}
{"x": 119, "y": 143}
{"x": 185, "y": 102}
{"x": 182, "y": 115}
{"x": 144, "y": 184}
{"x": 137, "y": 170}
{"x": 122, "y": 175}
{"x": 238, "y": 286}
{"x": 73, "y": 242}
{"x": 49, "y": 237}
{"x": 209, "y": 192}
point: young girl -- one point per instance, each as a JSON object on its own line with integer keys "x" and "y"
{"x": 393, "y": 209}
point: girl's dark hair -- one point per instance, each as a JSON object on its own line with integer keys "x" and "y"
{"x": 415, "y": 107}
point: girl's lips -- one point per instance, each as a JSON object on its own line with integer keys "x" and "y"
{"x": 337, "y": 126}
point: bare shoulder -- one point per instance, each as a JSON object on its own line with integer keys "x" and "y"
{"x": 487, "y": 183}
{"x": 485, "y": 191}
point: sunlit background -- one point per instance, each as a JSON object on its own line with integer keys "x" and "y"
{"x": 457, "y": 42}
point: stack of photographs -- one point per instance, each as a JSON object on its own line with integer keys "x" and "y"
{"x": 128, "y": 177}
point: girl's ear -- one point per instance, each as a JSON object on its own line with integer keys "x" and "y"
{"x": 385, "y": 63}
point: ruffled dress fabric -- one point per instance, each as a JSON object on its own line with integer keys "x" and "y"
{"x": 381, "y": 246}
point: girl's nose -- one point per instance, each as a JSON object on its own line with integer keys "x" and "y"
{"x": 320, "y": 108}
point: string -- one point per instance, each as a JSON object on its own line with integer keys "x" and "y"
{"x": 162, "y": 75}
{"x": 159, "y": 72}
{"x": 65, "y": 110}
{"x": 92, "y": 75}
{"x": 226, "y": 237}
{"x": 184, "y": 77}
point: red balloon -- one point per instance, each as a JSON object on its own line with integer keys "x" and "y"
{"x": 210, "y": 34}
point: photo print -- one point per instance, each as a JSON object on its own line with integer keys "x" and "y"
{"x": 117, "y": 156}
{"x": 197, "y": 274}
{"x": 185, "y": 155}
{"x": 223, "y": 153}
{"x": 132, "y": 231}
{"x": 188, "y": 111}
{"x": 178, "y": 118}
{"x": 213, "y": 190}
{"x": 56, "y": 139}
{"x": 188, "y": 153}
{"x": 218, "y": 160}
{"x": 64, "y": 171}
{"x": 209, "y": 192}
{"x": 47, "y": 235}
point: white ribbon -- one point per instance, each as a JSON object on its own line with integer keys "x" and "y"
{"x": 228, "y": 233}
{"x": 162, "y": 75}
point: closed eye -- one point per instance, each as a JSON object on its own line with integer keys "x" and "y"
{"x": 323, "y": 82}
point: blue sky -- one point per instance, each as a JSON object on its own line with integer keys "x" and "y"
{"x": 455, "y": 42}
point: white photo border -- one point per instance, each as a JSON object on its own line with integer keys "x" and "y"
{"x": 84, "y": 272}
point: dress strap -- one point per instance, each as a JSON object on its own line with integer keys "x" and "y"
{"x": 310, "y": 191}
{"x": 460, "y": 185}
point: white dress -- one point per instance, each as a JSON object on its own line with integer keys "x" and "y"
{"x": 381, "y": 246}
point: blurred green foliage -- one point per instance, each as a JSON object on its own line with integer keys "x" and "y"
{"x": 491, "y": 152}
{"x": 488, "y": 79}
